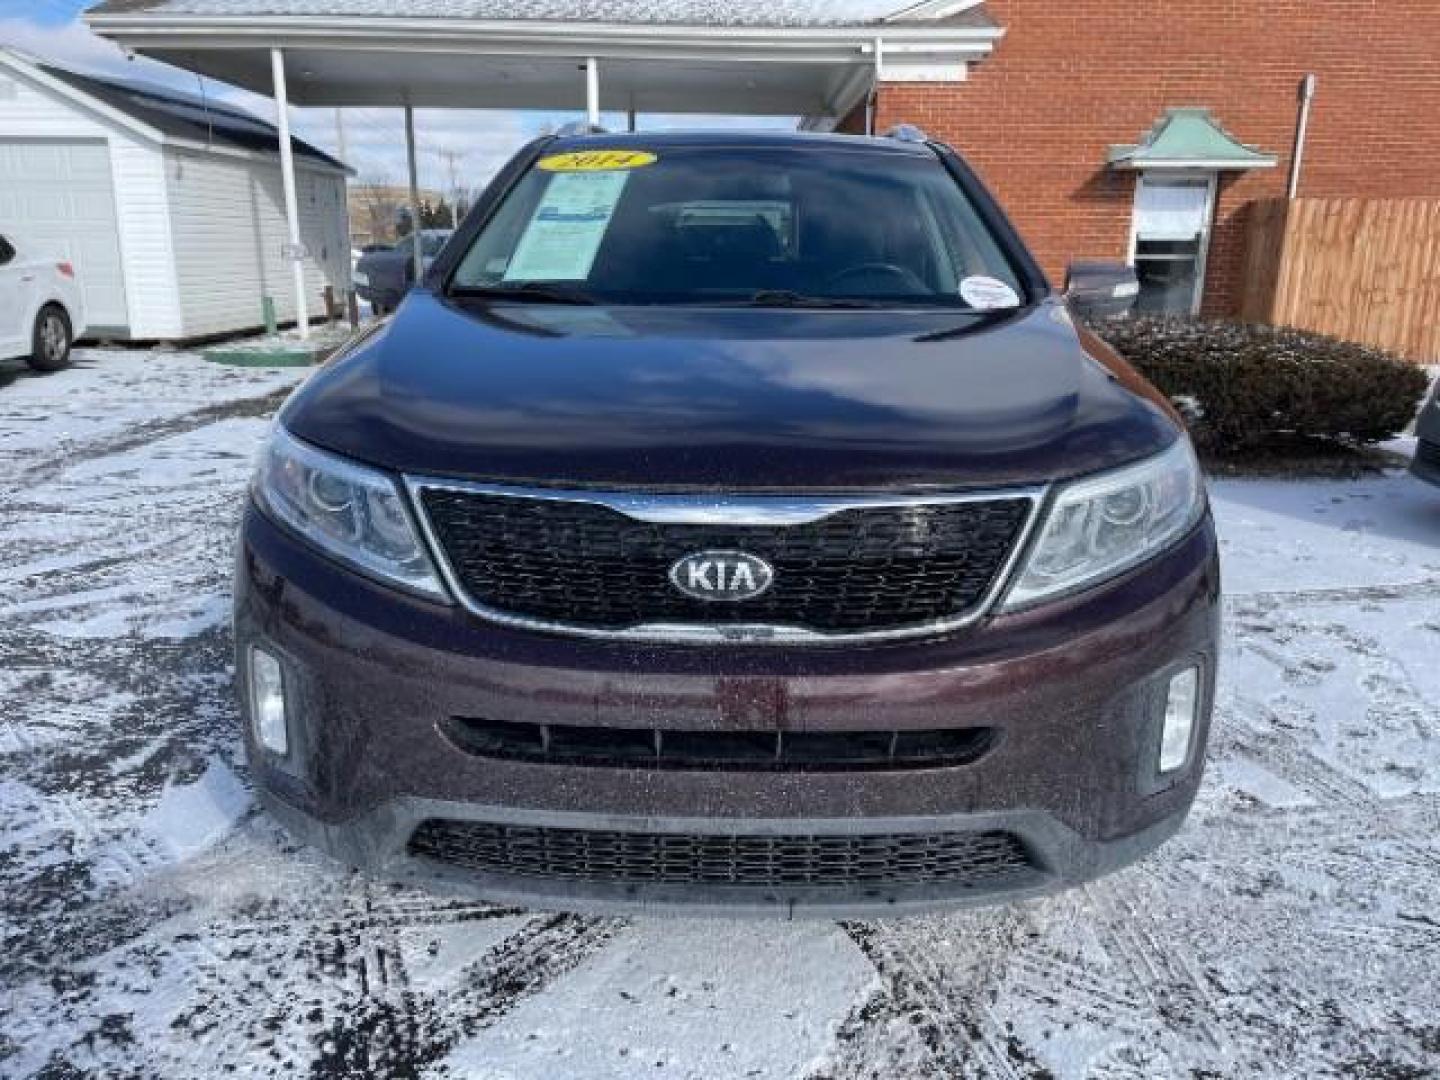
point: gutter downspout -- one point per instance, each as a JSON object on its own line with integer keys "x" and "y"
{"x": 872, "y": 100}
{"x": 1302, "y": 126}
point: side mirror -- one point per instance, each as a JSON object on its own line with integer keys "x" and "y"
{"x": 1100, "y": 290}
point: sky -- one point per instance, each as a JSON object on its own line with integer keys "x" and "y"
{"x": 374, "y": 138}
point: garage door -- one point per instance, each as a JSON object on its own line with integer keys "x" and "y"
{"x": 56, "y": 199}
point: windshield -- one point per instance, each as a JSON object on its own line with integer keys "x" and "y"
{"x": 727, "y": 224}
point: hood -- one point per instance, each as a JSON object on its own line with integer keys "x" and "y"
{"x": 658, "y": 397}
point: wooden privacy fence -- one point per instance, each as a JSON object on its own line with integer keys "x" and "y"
{"x": 1366, "y": 270}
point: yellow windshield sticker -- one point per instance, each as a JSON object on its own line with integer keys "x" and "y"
{"x": 598, "y": 161}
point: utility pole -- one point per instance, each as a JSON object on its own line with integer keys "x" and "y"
{"x": 417, "y": 253}
{"x": 452, "y": 159}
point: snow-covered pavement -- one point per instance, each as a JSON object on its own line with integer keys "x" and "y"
{"x": 154, "y": 923}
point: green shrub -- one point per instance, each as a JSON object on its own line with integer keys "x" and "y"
{"x": 1241, "y": 386}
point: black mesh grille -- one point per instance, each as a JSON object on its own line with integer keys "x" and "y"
{"x": 875, "y": 568}
{"x": 977, "y": 859}
{"x": 1428, "y": 453}
{"x": 718, "y": 751}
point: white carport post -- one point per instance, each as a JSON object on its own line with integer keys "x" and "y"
{"x": 294, "y": 252}
{"x": 592, "y": 91}
{"x": 417, "y": 253}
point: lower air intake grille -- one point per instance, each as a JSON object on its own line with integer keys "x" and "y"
{"x": 718, "y": 751}
{"x": 965, "y": 859}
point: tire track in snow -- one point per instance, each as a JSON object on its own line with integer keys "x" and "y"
{"x": 51, "y": 466}
{"x": 952, "y": 1018}
{"x": 1162, "y": 971}
{"x": 1345, "y": 805}
{"x": 395, "y": 1032}
{"x": 363, "y": 987}
{"x": 289, "y": 995}
{"x": 1265, "y": 603}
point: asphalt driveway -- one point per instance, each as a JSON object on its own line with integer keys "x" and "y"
{"x": 154, "y": 923}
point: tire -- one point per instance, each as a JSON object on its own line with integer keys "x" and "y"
{"x": 50, "y": 343}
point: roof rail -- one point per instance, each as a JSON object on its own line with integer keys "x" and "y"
{"x": 907, "y": 133}
{"x": 579, "y": 127}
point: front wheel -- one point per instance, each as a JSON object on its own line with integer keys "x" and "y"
{"x": 50, "y": 344}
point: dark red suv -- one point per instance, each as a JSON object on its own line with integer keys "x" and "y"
{"x": 736, "y": 522}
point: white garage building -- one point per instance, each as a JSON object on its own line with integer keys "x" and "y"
{"x": 171, "y": 208}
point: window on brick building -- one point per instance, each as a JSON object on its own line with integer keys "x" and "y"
{"x": 1170, "y": 239}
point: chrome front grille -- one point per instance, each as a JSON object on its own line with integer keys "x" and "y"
{"x": 600, "y": 565}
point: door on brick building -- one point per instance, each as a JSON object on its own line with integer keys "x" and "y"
{"x": 1170, "y": 238}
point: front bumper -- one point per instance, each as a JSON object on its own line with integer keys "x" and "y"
{"x": 1074, "y": 691}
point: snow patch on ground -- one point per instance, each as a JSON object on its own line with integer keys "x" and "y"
{"x": 1288, "y": 536}
{"x": 110, "y": 392}
{"x": 1354, "y": 684}
{"x": 144, "y": 528}
{"x": 665, "y": 1000}
{"x": 1259, "y": 783}
{"x": 191, "y": 817}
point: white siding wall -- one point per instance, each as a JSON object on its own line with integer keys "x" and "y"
{"x": 152, "y": 283}
{"x": 227, "y": 215}
{"x": 29, "y": 111}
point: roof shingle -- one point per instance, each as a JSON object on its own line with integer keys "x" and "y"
{"x": 183, "y": 116}
{"x": 794, "y": 13}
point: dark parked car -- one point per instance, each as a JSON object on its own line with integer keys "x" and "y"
{"x": 383, "y": 275}
{"x": 1426, "y": 464}
{"x": 736, "y": 522}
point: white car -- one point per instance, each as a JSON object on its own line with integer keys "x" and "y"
{"x": 42, "y": 311}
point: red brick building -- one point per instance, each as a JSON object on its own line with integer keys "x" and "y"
{"x": 1070, "y": 79}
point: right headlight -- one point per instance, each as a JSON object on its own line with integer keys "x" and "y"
{"x": 1100, "y": 526}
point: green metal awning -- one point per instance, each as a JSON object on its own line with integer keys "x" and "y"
{"x": 1188, "y": 139}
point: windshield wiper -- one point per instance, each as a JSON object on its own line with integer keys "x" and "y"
{"x": 786, "y": 298}
{"x": 536, "y": 292}
{"x": 978, "y": 320}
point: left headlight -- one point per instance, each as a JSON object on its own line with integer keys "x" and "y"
{"x": 1102, "y": 525}
{"x": 355, "y": 514}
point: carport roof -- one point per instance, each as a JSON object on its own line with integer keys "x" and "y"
{"x": 797, "y": 13}
{"x": 814, "y": 58}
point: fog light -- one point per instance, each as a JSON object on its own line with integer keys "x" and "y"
{"x": 267, "y": 702}
{"x": 1180, "y": 706}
